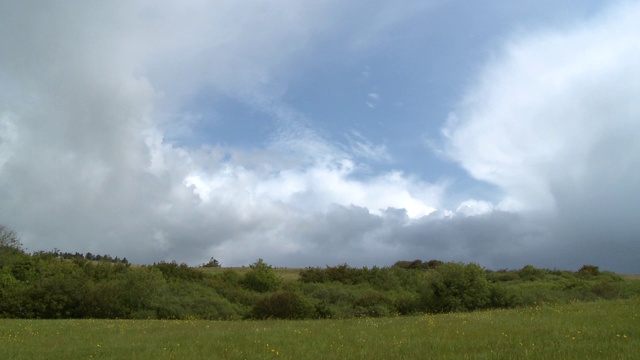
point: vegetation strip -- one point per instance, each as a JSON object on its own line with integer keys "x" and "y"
{"x": 54, "y": 285}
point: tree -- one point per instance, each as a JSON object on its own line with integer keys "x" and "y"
{"x": 261, "y": 277}
{"x": 214, "y": 263}
{"x": 530, "y": 273}
{"x": 589, "y": 270}
{"x": 9, "y": 238}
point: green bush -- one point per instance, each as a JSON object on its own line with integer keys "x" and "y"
{"x": 457, "y": 287}
{"x": 374, "y": 303}
{"x": 406, "y": 303}
{"x": 9, "y": 239}
{"x": 502, "y": 275}
{"x": 261, "y": 277}
{"x": 172, "y": 271}
{"x": 607, "y": 289}
{"x": 530, "y": 273}
{"x": 283, "y": 305}
{"x": 313, "y": 275}
{"x": 589, "y": 270}
{"x": 502, "y": 296}
{"x": 104, "y": 300}
{"x": 183, "y": 300}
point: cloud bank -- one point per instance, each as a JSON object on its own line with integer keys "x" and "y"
{"x": 97, "y": 113}
{"x": 92, "y": 90}
{"x": 554, "y": 120}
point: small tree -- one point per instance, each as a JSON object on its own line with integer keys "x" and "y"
{"x": 530, "y": 273}
{"x": 212, "y": 263}
{"x": 589, "y": 270}
{"x": 261, "y": 277}
{"x": 9, "y": 238}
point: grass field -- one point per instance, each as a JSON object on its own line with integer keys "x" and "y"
{"x": 598, "y": 330}
{"x": 631, "y": 277}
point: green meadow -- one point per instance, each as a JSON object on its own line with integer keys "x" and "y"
{"x": 592, "y": 330}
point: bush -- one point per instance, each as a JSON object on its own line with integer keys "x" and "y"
{"x": 9, "y": 238}
{"x": 607, "y": 289}
{"x": 283, "y": 305}
{"x": 530, "y": 273}
{"x": 406, "y": 303}
{"x": 344, "y": 274}
{"x": 502, "y": 275}
{"x": 261, "y": 277}
{"x": 457, "y": 287}
{"x": 589, "y": 270}
{"x": 313, "y": 275}
{"x": 183, "y": 300}
{"x": 213, "y": 263}
{"x": 172, "y": 271}
{"x": 502, "y": 296}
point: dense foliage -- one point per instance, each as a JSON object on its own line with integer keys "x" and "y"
{"x": 62, "y": 285}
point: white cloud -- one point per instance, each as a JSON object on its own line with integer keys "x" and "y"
{"x": 93, "y": 91}
{"x": 474, "y": 207}
{"x": 553, "y": 121}
{"x": 543, "y": 110}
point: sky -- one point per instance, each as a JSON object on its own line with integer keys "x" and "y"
{"x": 320, "y": 133}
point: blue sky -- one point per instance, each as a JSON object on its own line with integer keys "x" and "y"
{"x": 319, "y": 133}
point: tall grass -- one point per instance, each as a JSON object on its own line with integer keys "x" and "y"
{"x": 596, "y": 330}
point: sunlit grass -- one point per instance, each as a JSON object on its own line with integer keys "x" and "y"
{"x": 597, "y": 330}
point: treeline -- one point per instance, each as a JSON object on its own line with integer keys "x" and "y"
{"x": 79, "y": 256}
{"x": 48, "y": 285}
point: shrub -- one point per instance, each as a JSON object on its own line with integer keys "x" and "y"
{"x": 261, "y": 277}
{"x": 607, "y": 289}
{"x": 373, "y": 303}
{"x": 344, "y": 274}
{"x": 502, "y": 296}
{"x": 313, "y": 275}
{"x": 530, "y": 273}
{"x": 589, "y": 270}
{"x": 283, "y": 305}
{"x": 406, "y": 304}
{"x": 9, "y": 238}
{"x": 457, "y": 287}
{"x": 172, "y": 271}
{"x": 213, "y": 263}
{"x": 502, "y": 275}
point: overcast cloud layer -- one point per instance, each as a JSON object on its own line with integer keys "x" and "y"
{"x": 103, "y": 138}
